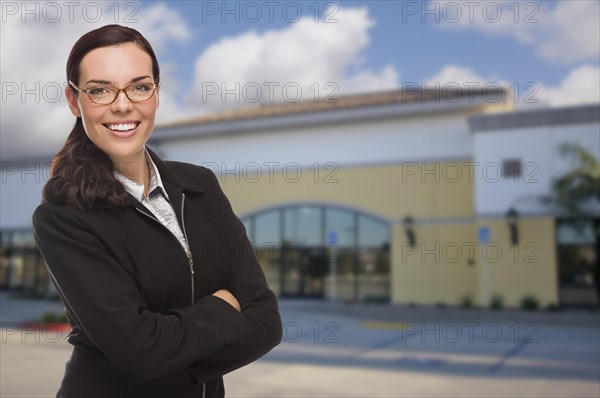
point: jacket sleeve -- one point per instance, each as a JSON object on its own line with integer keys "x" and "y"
{"x": 261, "y": 328}
{"x": 105, "y": 302}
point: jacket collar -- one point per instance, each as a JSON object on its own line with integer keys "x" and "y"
{"x": 136, "y": 189}
{"x": 182, "y": 182}
{"x": 175, "y": 184}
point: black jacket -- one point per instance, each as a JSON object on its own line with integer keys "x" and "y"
{"x": 127, "y": 287}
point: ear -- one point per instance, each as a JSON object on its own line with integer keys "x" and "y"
{"x": 72, "y": 101}
{"x": 157, "y": 96}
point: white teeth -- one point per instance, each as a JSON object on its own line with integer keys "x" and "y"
{"x": 122, "y": 126}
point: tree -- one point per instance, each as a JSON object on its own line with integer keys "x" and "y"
{"x": 578, "y": 191}
{"x": 577, "y": 195}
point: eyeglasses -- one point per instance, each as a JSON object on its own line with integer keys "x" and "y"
{"x": 105, "y": 94}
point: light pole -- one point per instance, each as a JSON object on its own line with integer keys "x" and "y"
{"x": 512, "y": 218}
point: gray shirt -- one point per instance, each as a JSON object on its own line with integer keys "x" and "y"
{"x": 157, "y": 200}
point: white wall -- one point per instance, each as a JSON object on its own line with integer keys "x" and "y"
{"x": 427, "y": 138}
{"x": 538, "y": 150}
{"x": 408, "y": 139}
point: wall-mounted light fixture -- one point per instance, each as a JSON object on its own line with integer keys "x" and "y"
{"x": 409, "y": 224}
{"x": 512, "y": 218}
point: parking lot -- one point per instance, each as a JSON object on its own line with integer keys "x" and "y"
{"x": 344, "y": 350}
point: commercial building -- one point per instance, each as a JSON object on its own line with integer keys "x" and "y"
{"x": 391, "y": 196}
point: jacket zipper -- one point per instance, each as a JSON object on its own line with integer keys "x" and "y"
{"x": 188, "y": 253}
{"x": 191, "y": 261}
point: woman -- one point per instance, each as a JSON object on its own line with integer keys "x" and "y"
{"x": 158, "y": 278}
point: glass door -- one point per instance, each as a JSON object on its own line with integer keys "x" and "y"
{"x": 303, "y": 259}
{"x": 577, "y": 263}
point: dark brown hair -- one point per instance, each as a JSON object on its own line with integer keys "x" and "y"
{"x": 81, "y": 173}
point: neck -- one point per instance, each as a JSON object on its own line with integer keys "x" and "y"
{"x": 135, "y": 168}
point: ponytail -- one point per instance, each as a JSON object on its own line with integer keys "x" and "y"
{"x": 82, "y": 175}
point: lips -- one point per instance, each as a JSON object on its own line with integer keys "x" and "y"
{"x": 122, "y": 129}
{"x": 121, "y": 126}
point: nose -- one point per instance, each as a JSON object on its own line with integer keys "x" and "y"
{"x": 121, "y": 104}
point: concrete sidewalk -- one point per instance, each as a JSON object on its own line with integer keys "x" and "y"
{"x": 338, "y": 350}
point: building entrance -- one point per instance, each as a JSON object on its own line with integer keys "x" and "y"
{"x": 322, "y": 251}
{"x": 577, "y": 263}
{"x": 303, "y": 269}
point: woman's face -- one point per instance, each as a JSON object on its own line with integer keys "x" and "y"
{"x": 122, "y": 128}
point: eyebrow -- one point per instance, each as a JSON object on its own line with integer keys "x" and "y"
{"x": 135, "y": 79}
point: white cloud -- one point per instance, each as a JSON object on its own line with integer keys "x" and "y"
{"x": 463, "y": 76}
{"x": 298, "y": 62}
{"x": 33, "y": 55}
{"x": 572, "y": 32}
{"x": 580, "y": 86}
{"x": 162, "y": 25}
{"x": 170, "y": 108}
{"x": 567, "y": 31}
{"x": 321, "y": 59}
{"x": 367, "y": 80}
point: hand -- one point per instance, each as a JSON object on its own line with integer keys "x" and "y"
{"x": 230, "y": 298}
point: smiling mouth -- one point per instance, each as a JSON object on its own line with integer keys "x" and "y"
{"x": 122, "y": 127}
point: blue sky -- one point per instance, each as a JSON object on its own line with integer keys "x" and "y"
{"x": 365, "y": 46}
{"x": 399, "y": 36}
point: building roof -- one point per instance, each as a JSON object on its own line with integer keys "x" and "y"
{"x": 578, "y": 114}
{"x": 365, "y": 105}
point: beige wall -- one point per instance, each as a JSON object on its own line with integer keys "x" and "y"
{"x": 446, "y": 264}
{"x": 439, "y": 269}
{"x": 528, "y": 268}
{"x": 424, "y": 190}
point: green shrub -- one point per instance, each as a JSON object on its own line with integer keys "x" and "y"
{"x": 51, "y": 317}
{"x": 530, "y": 303}
{"x": 466, "y": 301}
{"x": 497, "y": 302}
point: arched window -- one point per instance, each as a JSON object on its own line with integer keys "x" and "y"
{"x": 322, "y": 251}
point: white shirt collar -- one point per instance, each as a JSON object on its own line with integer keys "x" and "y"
{"x": 136, "y": 189}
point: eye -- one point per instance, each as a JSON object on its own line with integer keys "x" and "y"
{"x": 141, "y": 87}
{"x": 98, "y": 90}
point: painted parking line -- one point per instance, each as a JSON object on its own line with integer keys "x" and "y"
{"x": 511, "y": 353}
{"x": 387, "y": 325}
{"x": 421, "y": 361}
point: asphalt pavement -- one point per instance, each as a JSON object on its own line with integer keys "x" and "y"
{"x": 356, "y": 350}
